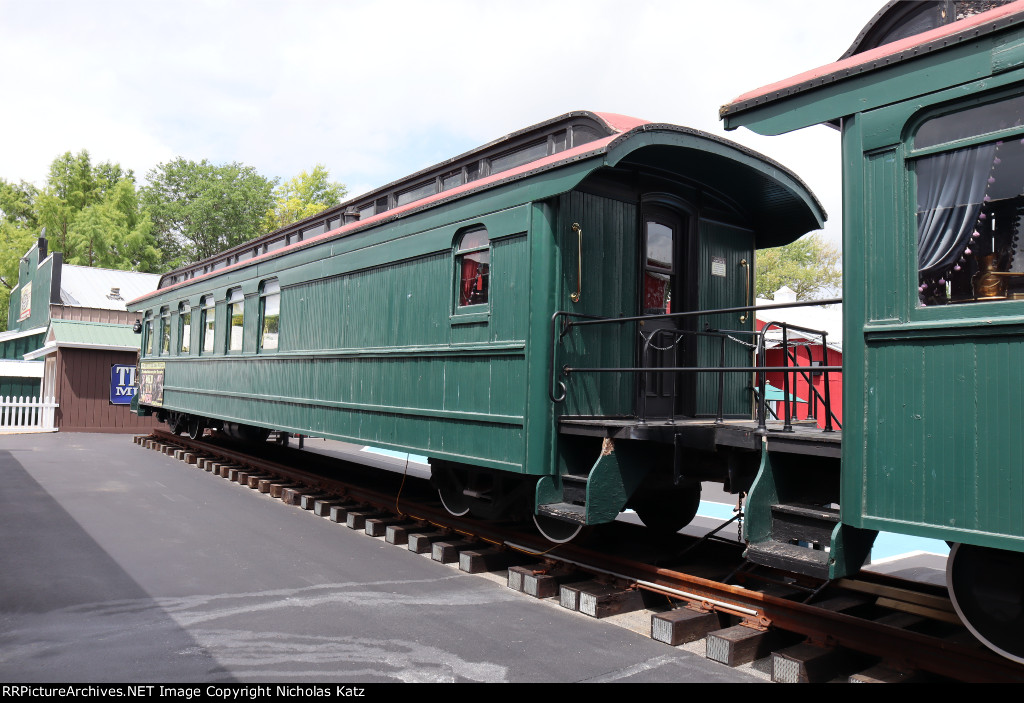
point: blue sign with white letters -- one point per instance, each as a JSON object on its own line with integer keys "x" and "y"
{"x": 122, "y": 384}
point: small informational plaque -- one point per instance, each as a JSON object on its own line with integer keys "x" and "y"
{"x": 718, "y": 266}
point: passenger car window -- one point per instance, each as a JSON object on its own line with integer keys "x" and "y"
{"x": 165, "y": 331}
{"x": 473, "y": 267}
{"x": 970, "y": 206}
{"x": 208, "y": 323}
{"x": 184, "y": 328}
{"x": 270, "y": 314}
{"x": 236, "y": 321}
{"x": 149, "y": 337}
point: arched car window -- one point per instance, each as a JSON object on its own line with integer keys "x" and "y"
{"x": 473, "y": 267}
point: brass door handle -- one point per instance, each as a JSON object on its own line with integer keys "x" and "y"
{"x": 746, "y": 291}
{"x": 579, "y": 263}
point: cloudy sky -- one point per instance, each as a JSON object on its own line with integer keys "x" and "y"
{"x": 377, "y": 90}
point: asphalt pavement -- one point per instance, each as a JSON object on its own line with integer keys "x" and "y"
{"x": 119, "y": 564}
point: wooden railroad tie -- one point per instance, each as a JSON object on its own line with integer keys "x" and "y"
{"x": 683, "y": 625}
{"x": 378, "y": 526}
{"x": 339, "y": 511}
{"x": 740, "y": 644}
{"x": 478, "y": 561}
{"x": 356, "y": 519}
{"x": 598, "y": 599}
{"x": 422, "y": 542}
{"x": 399, "y": 533}
{"x": 448, "y": 551}
{"x": 541, "y": 580}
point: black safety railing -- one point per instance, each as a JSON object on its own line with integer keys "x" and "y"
{"x": 662, "y": 340}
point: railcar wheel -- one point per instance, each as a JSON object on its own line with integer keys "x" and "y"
{"x": 453, "y": 500}
{"x": 987, "y": 589}
{"x": 554, "y": 530}
{"x": 669, "y": 512}
{"x": 196, "y": 426}
{"x": 177, "y": 423}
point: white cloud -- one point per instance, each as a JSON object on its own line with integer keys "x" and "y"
{"x": 378, "y": 90}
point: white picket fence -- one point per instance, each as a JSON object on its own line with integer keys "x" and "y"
{"x": 23, "y": 414}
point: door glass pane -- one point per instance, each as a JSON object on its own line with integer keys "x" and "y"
{"x": 657, "y": 289}
{"x": 659, "y": 245}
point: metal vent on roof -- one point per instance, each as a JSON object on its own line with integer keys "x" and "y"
{"x": 114, "y": 294}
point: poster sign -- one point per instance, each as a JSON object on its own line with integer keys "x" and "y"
{"x": 26, "y": 302}
{"x": 122, "y": 384}
{"x": 151, "y": 383}
{"x": 718, "y": 266}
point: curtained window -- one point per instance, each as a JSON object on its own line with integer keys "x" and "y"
{"x": 969, "y": 205}
{"x": 473, "y": 267}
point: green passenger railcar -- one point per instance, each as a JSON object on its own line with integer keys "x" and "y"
{"x": 419, "y": 317}
{"x": 930, "y": 103}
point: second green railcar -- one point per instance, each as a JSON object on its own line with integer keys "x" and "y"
{"x": 419, "y": 317}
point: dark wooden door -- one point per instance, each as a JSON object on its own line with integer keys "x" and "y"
{"x": 664, "y": 242}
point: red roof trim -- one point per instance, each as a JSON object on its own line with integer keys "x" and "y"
{"x": 881, "y": 52}
{"x": 618, "y": 123}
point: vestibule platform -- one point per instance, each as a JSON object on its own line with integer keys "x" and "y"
{"x": 707, "y": 434}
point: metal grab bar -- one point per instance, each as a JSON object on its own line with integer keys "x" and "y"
{"x": 579, "y": 263}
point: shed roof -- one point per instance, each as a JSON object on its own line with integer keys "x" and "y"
{"x": 79, "y": 334}
{"x": 87, "y": 287}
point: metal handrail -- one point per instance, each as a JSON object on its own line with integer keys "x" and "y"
{"x": 558, "y": 389}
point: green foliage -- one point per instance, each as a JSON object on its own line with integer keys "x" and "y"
{"x": 14, "y": 242}
{"x": 17, "y": 203}
{"x": 73, "y": 185}
{"x": 199, "y": 208}
{"x": 810, "y": 266}
{"x": 302, "y": 197}
{"x": 115, "y": 233}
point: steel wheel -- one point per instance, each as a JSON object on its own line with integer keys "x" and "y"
{"x": 177, "y": 422}
{"x": 987, "y": 589}
{"x": 557, "y": 531}
{"x": 453, "y": 500}
{"x": 196, "y": 427}
{"x": 669, "y": 512}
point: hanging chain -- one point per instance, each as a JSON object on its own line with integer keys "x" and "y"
{"x": 739, "y": 511}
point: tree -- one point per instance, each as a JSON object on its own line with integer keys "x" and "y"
{"x": 810, "y": 266}
{"x": 199, "y": 208}
{"x": 303, "y": 196}
{"x": 115, "y": 233}
{"x": 91, "y": 214}
{"x": 73, "y": 184}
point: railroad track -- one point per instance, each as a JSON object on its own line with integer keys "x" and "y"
{"x": 873, "y": 628}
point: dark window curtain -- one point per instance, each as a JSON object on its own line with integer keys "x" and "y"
{"x": 950, "y": 193}
{"x": 470, "y": 272}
